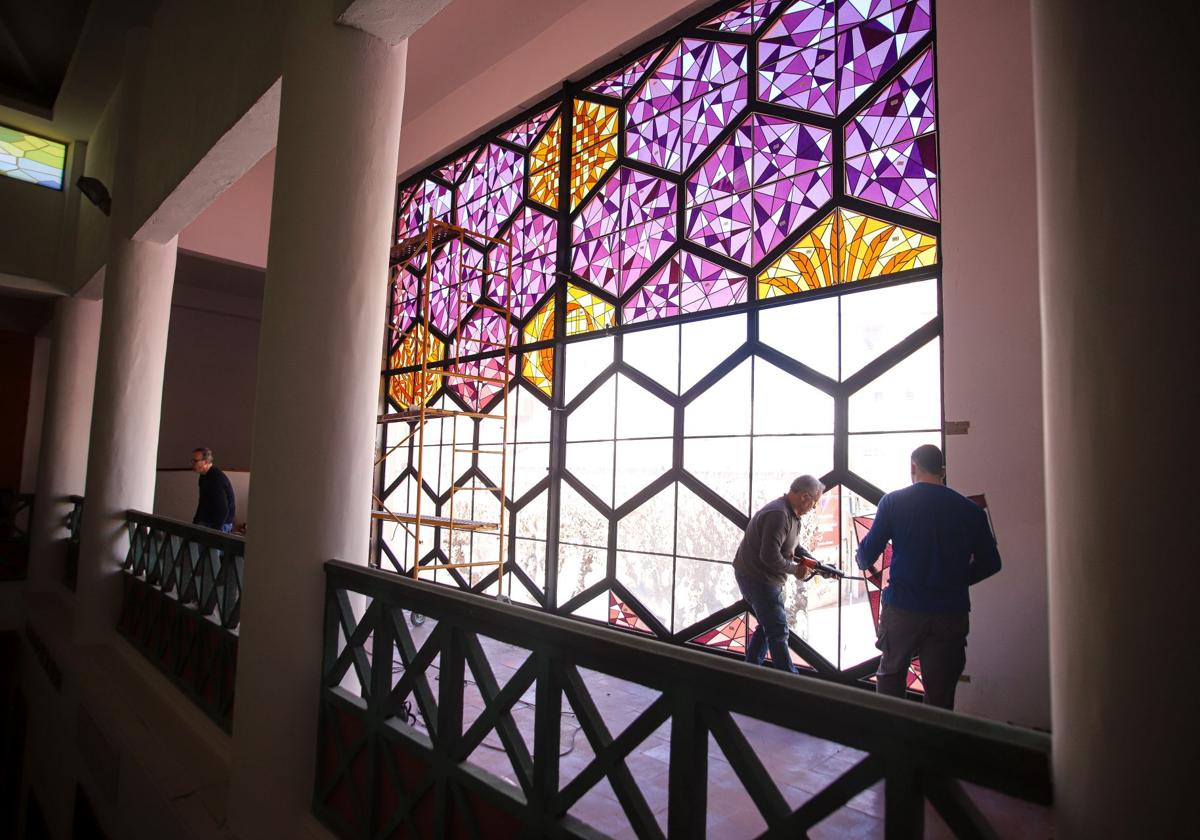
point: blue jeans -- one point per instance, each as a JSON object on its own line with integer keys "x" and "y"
{"x": 766, "y": 602}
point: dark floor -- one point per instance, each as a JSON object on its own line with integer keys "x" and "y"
{"x": 800, "y": 764}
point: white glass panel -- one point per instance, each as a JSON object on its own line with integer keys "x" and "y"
{"x": 584, "y": 360}
{"x": 530, "y": 463}
{"x": 858, "y": 627}
{"x": 778, "y": 460}
{"x": 639, "y": 462}
{"x": 874, "y": 321}
{"x": 723, "y": 464}
{"x": 654, "y": 352}
{"x": 706, "y": 343}
{"x": 649, "y": 528}
{"x": 532, "y": 420}
{"x": 595, "y": 418}
{"x": 579, "y": 522}
{"x": 592, "y": 463}
{"x": 808, "y": 332}
{"x": 884, "y": 460}
{"x": 784, "y": 404}
{"x": 531, "y": 519}
{"x": 640, "y": 413}
{"x": 906, "y": 397}
{"x": 531, "y": 558}
{"x": 649, "y": 578}
{"x": 702, "y": 588}
{"x": 578, "y": 568}
{"x": 724, "y": 409}
{"x": 702, "y": 532}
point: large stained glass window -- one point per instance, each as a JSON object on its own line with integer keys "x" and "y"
{"x": 27, "y": 157}
{"x": 725, "y": 273}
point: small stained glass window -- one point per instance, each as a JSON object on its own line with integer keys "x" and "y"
{"x": 27, "y": 157}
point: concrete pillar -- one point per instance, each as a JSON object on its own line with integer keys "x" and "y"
{"x": 317, "y": 392}
{"x": 122, "y": 457}
{"x": 62, "y": 464}
{"x": 1116, "y": 186}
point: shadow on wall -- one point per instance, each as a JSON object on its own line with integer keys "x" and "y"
{"x": 175, "y": 494}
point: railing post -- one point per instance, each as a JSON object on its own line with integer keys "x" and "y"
{"x": 450, "y": 717}
{"x": 687, "y": 791}
{"x": 904, "y": 808}
{"x": 547, "y": 732}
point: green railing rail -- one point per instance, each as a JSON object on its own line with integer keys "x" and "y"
{"x": 182, "y": 604}
{"x": 380, "y": 768}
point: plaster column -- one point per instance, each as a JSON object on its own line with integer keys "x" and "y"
{"x": 317, "y": 393}
{"x": 123, "y": 454}
{"x": 1116, "y": 186}
{"x": 62, "y": 464}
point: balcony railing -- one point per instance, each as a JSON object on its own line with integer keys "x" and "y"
{"x": 74, "y": 525}
{"x": 181, "y": 606}
{"x": 397, "y": 746}
{"x": 16, "y": 516}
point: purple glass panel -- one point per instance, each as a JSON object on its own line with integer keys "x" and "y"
{"x": 903, "y": 176}
{"x": 723, "y": 225}
{"x": 867, "y": 51}
{"x": 533, "y": 234}
{"x": 429, "y": 197}
{"x": 783, "y": 206}
{"x": 645, "y": 197}
{"x": 706, "y": 285}
{"x": 853, "y": 12}
{"x": 803, "y": 24}
{"x": 707, "y": 116}
{"x": 641, "y": 246}
{"x": 727, "y": 170}
{"x": 783, "y": 148}
{"x": 596, "y": 260}
{"x": 656, "y": 140}
{"x": 453, "y": 171}
{"x": 524, "y": 134}
{"x": 906, "y": 109}
{"x": 530, "y": 281}
{"x": 600, "y": 213}
{"x": 618, "y": 84}
{"x": 504, "y": 167}
{"x": 657, "y": 298}
{"x": 800, "y": 77}
{"x": 707, "y": 65}
{"x": 743, "y": 18}
{"x": 404, "y": 303}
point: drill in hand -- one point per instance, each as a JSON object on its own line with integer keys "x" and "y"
{"x": 815, "y": 566}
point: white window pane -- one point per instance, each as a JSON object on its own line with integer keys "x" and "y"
{"x": 784, "y": 404}
{"x": 808, "y": 332}
{"x": 874, "y": 321}
{"x": 906, "y": 397}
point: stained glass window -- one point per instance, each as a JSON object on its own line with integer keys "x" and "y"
{"x": 725, "y": 272}
{"x": 27, "y": 157}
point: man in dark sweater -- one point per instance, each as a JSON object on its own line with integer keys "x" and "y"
{"x": 941, "y": 544}
{"x": 763, "y": 563}
{"x": 216, "y": 506}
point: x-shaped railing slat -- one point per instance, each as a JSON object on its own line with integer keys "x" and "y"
{"x": 497, "y": 711}
{"x": 414, "y": 680}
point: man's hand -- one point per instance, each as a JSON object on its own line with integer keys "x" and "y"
{"x": 801, "y": 572}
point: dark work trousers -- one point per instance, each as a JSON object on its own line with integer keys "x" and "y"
{"x": 939, "y": 639}
{"x": 766, "y": 602}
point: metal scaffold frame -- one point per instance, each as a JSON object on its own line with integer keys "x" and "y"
{"x": 456, "y": 285}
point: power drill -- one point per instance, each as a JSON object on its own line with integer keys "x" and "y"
{"x": 815, "y": 566}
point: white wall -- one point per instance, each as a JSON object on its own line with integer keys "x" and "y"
{"x": 235, "y": 226}
{"x": 33, "y": 418}
{"x": 992, "y": 344}
{"x": 175, "y": 494}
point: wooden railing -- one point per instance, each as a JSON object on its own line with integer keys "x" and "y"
{"x": 16, "y": 518}
{"x": 74, "y": 525}
{"x": 181, "y": 606}
{"x": 394, "y": 754}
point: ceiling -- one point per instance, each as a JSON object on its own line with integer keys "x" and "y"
{"x": 61, "y": 59}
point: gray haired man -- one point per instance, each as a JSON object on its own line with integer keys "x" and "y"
{"x": 763, "y": 562}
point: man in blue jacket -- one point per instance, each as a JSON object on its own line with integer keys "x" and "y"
{"x": 941, "y": 545}
{"x": 216, "y": 506}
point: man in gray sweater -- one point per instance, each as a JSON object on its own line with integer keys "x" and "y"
{"x": 763, "y": 563}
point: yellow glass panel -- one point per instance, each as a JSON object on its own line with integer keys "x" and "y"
{"x": 538, "y": 365}
{"x": 593, "y": 146}
{"x": 27, "y": 157}
{"x": 543, "y": 166}
{"x": 406, "y": 388}
{"x": 846, "y": 247}
{"x": 586, "y": 312}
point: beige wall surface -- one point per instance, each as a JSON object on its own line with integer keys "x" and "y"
{"x": 29, "y": 223}
{"x": 993, "y": 340}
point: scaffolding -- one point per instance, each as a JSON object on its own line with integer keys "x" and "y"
{"x": 466, "y": 365}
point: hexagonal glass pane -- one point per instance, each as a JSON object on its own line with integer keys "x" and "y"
{"x": 874, "y": 321}
{"x": 640, "y": 413}
{"x": 650, "y": 526}
{"x": 906, "y": 397}
{"x": 705, "y": 344}
{"x": 807, "y": 332}
{"x": 723, "y": 464}
{"x": 723, "y": 409}
{"x": 639, "y": 462}
{"x": 784, "y": 404}
{"x": 654, "y": 352}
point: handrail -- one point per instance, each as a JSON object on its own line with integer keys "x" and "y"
{"x": 182, "y": 605}
{"x": 918, "y": 751}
